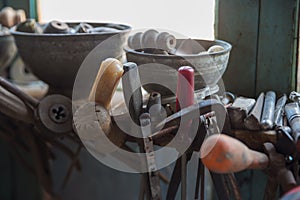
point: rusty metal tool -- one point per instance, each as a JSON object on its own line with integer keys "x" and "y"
{"x": 196, "y": 110}
{"x": 134, "y": 101}
{"x": 145, "y": 121}
{"x": 292, "y": 112}
{"x": 176, "y": 175}
{"x": 252, "y": 121}
{"x": 279, "y": 111}
{"x": 239, "y": 110}
{"x": 267, "y": 117}
{"x": 200, "y": 181}
{"x": 184, "y": 98}
{"x": 223, "y": 154}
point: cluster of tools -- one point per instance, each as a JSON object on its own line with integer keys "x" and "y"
{"x": 58, "y": 27}
{"x": 265, "y": 135}
{"x": 267, "y": 113}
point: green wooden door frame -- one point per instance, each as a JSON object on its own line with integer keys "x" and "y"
{"x": 264, "y": 36}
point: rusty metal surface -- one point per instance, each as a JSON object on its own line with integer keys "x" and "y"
{"x": 145, "y": 121}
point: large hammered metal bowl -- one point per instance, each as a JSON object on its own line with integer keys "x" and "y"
{"x": 209, "y": 67}
{"x": 56, "y": 58}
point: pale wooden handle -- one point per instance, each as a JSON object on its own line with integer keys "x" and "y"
{"x": 107, "y": 80}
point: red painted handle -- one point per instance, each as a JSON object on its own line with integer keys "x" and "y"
{"x": 185, "y": 87}
{"x": 185, "y": 97}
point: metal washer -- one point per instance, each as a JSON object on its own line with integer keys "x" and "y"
{"x": 55, "y": 122}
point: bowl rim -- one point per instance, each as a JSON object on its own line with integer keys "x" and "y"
{"x": 218, "y": 41}
{"x": 127, "y": 28}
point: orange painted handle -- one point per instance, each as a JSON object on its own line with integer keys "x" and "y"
{"x": 223, "y": 154}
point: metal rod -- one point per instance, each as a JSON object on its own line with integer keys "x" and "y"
{"x": 13, "y": 107}
{"x": 292, "y": 112}
{"x": 234, "y": 186}
{"x": 185, "y": 98}
{"x": 198, "y": 179}
{"x": 39, "y": 164}
{"x": 279, "y": 109}
{"x": 145, "y": 121}
{"x": 142, "y": 189}
{"x": 73, "y": 163}
{"x": 267, "y": 118}
{"x": 28, "y": 100}
{"x": 202, "y": 170}
{"x": 220, "y": 186}
{"x": 183, "y": 177}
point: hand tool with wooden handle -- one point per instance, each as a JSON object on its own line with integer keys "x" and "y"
{"x": 107, "y": 80}
{"x": 184, "y": 98}
{"x": 223, "y": 154}
{"x": 153, "y": 178}
{"x": 93, "y": 118}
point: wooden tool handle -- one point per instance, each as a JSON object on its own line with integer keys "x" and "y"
{"x": 223, "y": 154}
{"x": 185, "y": 87}
{"x": 94, "y": 123}
{"x": 107, "y": 80}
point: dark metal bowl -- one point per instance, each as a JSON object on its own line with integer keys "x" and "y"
{"x": 209, "y": 68}
{"x": 56, "y": 58}
{"x": 8, "y": 51}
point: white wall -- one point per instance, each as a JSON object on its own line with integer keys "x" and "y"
{"x": 191, "y": 18}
